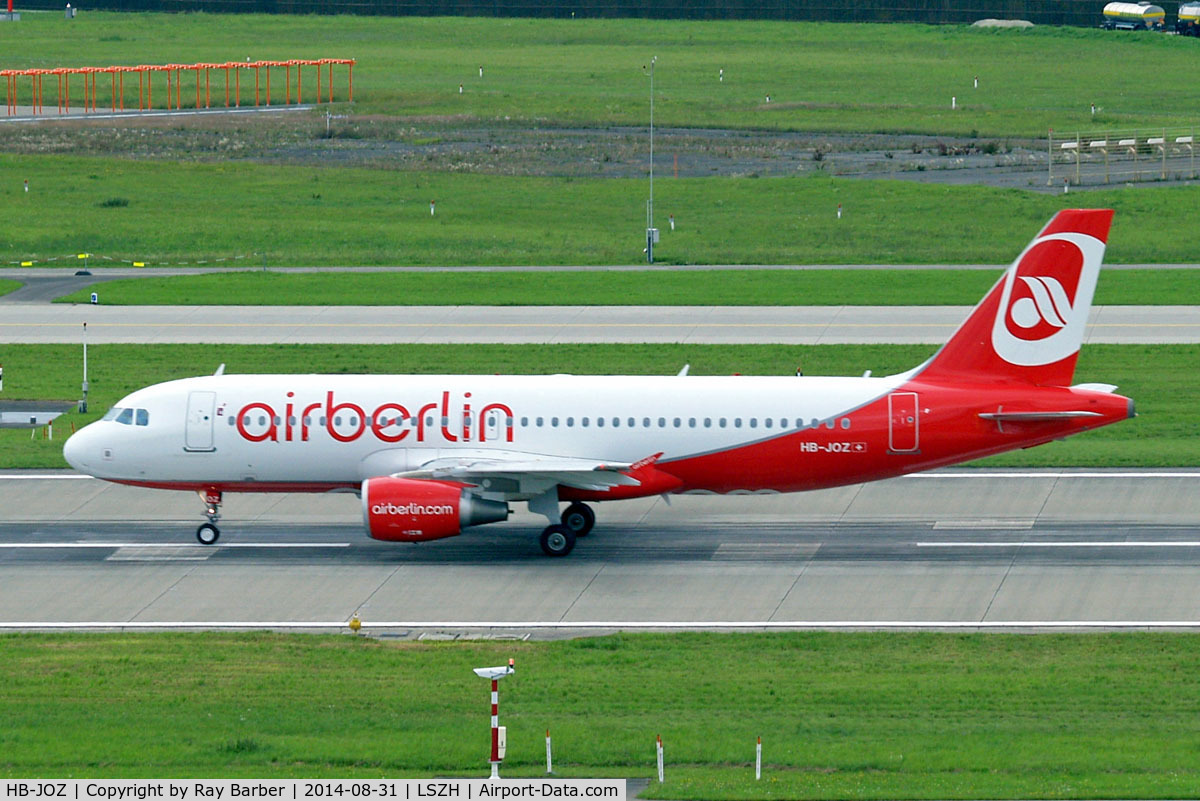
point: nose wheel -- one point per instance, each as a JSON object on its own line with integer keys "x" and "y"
{"x": 208, "y": 533}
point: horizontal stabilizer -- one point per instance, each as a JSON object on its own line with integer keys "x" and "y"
{"x": 1033, "y": 417}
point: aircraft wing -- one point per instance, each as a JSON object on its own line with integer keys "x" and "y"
{"x": 529, "y": 471}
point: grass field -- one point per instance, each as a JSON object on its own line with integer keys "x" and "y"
{"x": 8, "y": 285}
{"x": 1162, "y": 379}
{"x": 611, "y": 288}
{"x": 192, "y": 213}
{"x": 589, "y": 72}
{"x": 921, "y": 716}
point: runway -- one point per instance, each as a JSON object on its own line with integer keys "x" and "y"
{"x": 961, "y": 549}
{"x": 799, "y": 325}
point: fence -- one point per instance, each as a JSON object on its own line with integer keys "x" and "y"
{"x": 1102, "y": 157}
{"x": 175, "y": 75}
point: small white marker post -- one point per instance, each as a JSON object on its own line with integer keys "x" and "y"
{"x": 976, "y": 81}
{"x": 432, "y": 206}
{"x": 758, "y": 760}
{"x": 495, "y": 674}
{"x": 839, "y": 211}
{"x": 659, "y": 749}
{"x": 83, "y": 403}
{"x": 549, "y": 762}
{"x": 953, "y": 102}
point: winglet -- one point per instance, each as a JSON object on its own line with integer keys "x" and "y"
{"x": 645, "y": 462}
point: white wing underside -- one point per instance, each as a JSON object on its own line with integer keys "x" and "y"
{"x": 509, "y": 473}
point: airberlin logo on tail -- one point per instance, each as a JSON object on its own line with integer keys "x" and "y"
{"x": 1046, "y": 297}
{"x": 1047, "y": 303}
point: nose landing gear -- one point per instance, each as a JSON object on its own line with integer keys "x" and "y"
{"x": 208, "y": 533}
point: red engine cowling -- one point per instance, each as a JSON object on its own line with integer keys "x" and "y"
{"x": 410, "y": 510}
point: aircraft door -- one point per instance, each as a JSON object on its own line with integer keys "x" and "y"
{"x": 903, "y": 422}
{"x": 198, "y": 428}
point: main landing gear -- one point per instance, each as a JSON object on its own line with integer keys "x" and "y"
{"x": 208, "y": 533}
{"x": 579, "y": 518}
{"x": 559, "y": 538}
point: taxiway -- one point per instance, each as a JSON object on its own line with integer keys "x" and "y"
{"x": 800, "y": 325}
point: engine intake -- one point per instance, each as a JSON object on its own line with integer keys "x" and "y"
{"x": 410, "y": 510}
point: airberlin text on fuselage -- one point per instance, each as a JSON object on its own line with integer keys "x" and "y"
{"x": 388, "y": 422}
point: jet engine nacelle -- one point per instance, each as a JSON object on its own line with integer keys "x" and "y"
{"x": 409, "y": 510}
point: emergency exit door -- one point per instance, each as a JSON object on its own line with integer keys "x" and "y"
{"x": 198, "y": 430}
{"x": 903, "y": 422}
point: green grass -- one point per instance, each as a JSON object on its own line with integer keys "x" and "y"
{"x": 589, "y": 72}
{"x": 8, "y": 285}
{"x": 193, "y": 213}
{"x": 872, "y": 716}
{"x": 1162, "y": 379}
{"x": 617, "y": 288}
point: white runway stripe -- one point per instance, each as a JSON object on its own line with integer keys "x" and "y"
{"x": 36, "y": 545}
{"x": 615, "y": 625}
{"x": 1062, "y": 474}
{"x": 49, "y": 477}
{"x": 980, "y": 473}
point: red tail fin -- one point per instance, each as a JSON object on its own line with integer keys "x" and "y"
{"x": 1030, "y": 325}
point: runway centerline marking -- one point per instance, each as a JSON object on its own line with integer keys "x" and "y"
{"x": 1066, "y": 544}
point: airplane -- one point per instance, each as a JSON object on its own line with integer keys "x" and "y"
{"x": 433, "y": 454}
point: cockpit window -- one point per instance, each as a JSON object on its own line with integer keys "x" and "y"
{"x": 127, "y": 417}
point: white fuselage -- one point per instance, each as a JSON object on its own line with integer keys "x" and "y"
{"x": 322, "y": 429}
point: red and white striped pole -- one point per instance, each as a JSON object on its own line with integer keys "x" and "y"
{"x": 495, "y": 757}
{"x": 495, "y": 674}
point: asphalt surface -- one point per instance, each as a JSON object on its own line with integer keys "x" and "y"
{"x": 952, "y": 549}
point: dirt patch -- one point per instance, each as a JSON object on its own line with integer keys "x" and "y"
{"x": 506, "y": 147}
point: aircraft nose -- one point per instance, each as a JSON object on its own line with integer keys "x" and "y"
{"x": 75, "y": 449}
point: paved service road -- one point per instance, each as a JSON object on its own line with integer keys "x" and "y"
{"x": 960, "y": 548}
{"x": 809, "y": 325}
